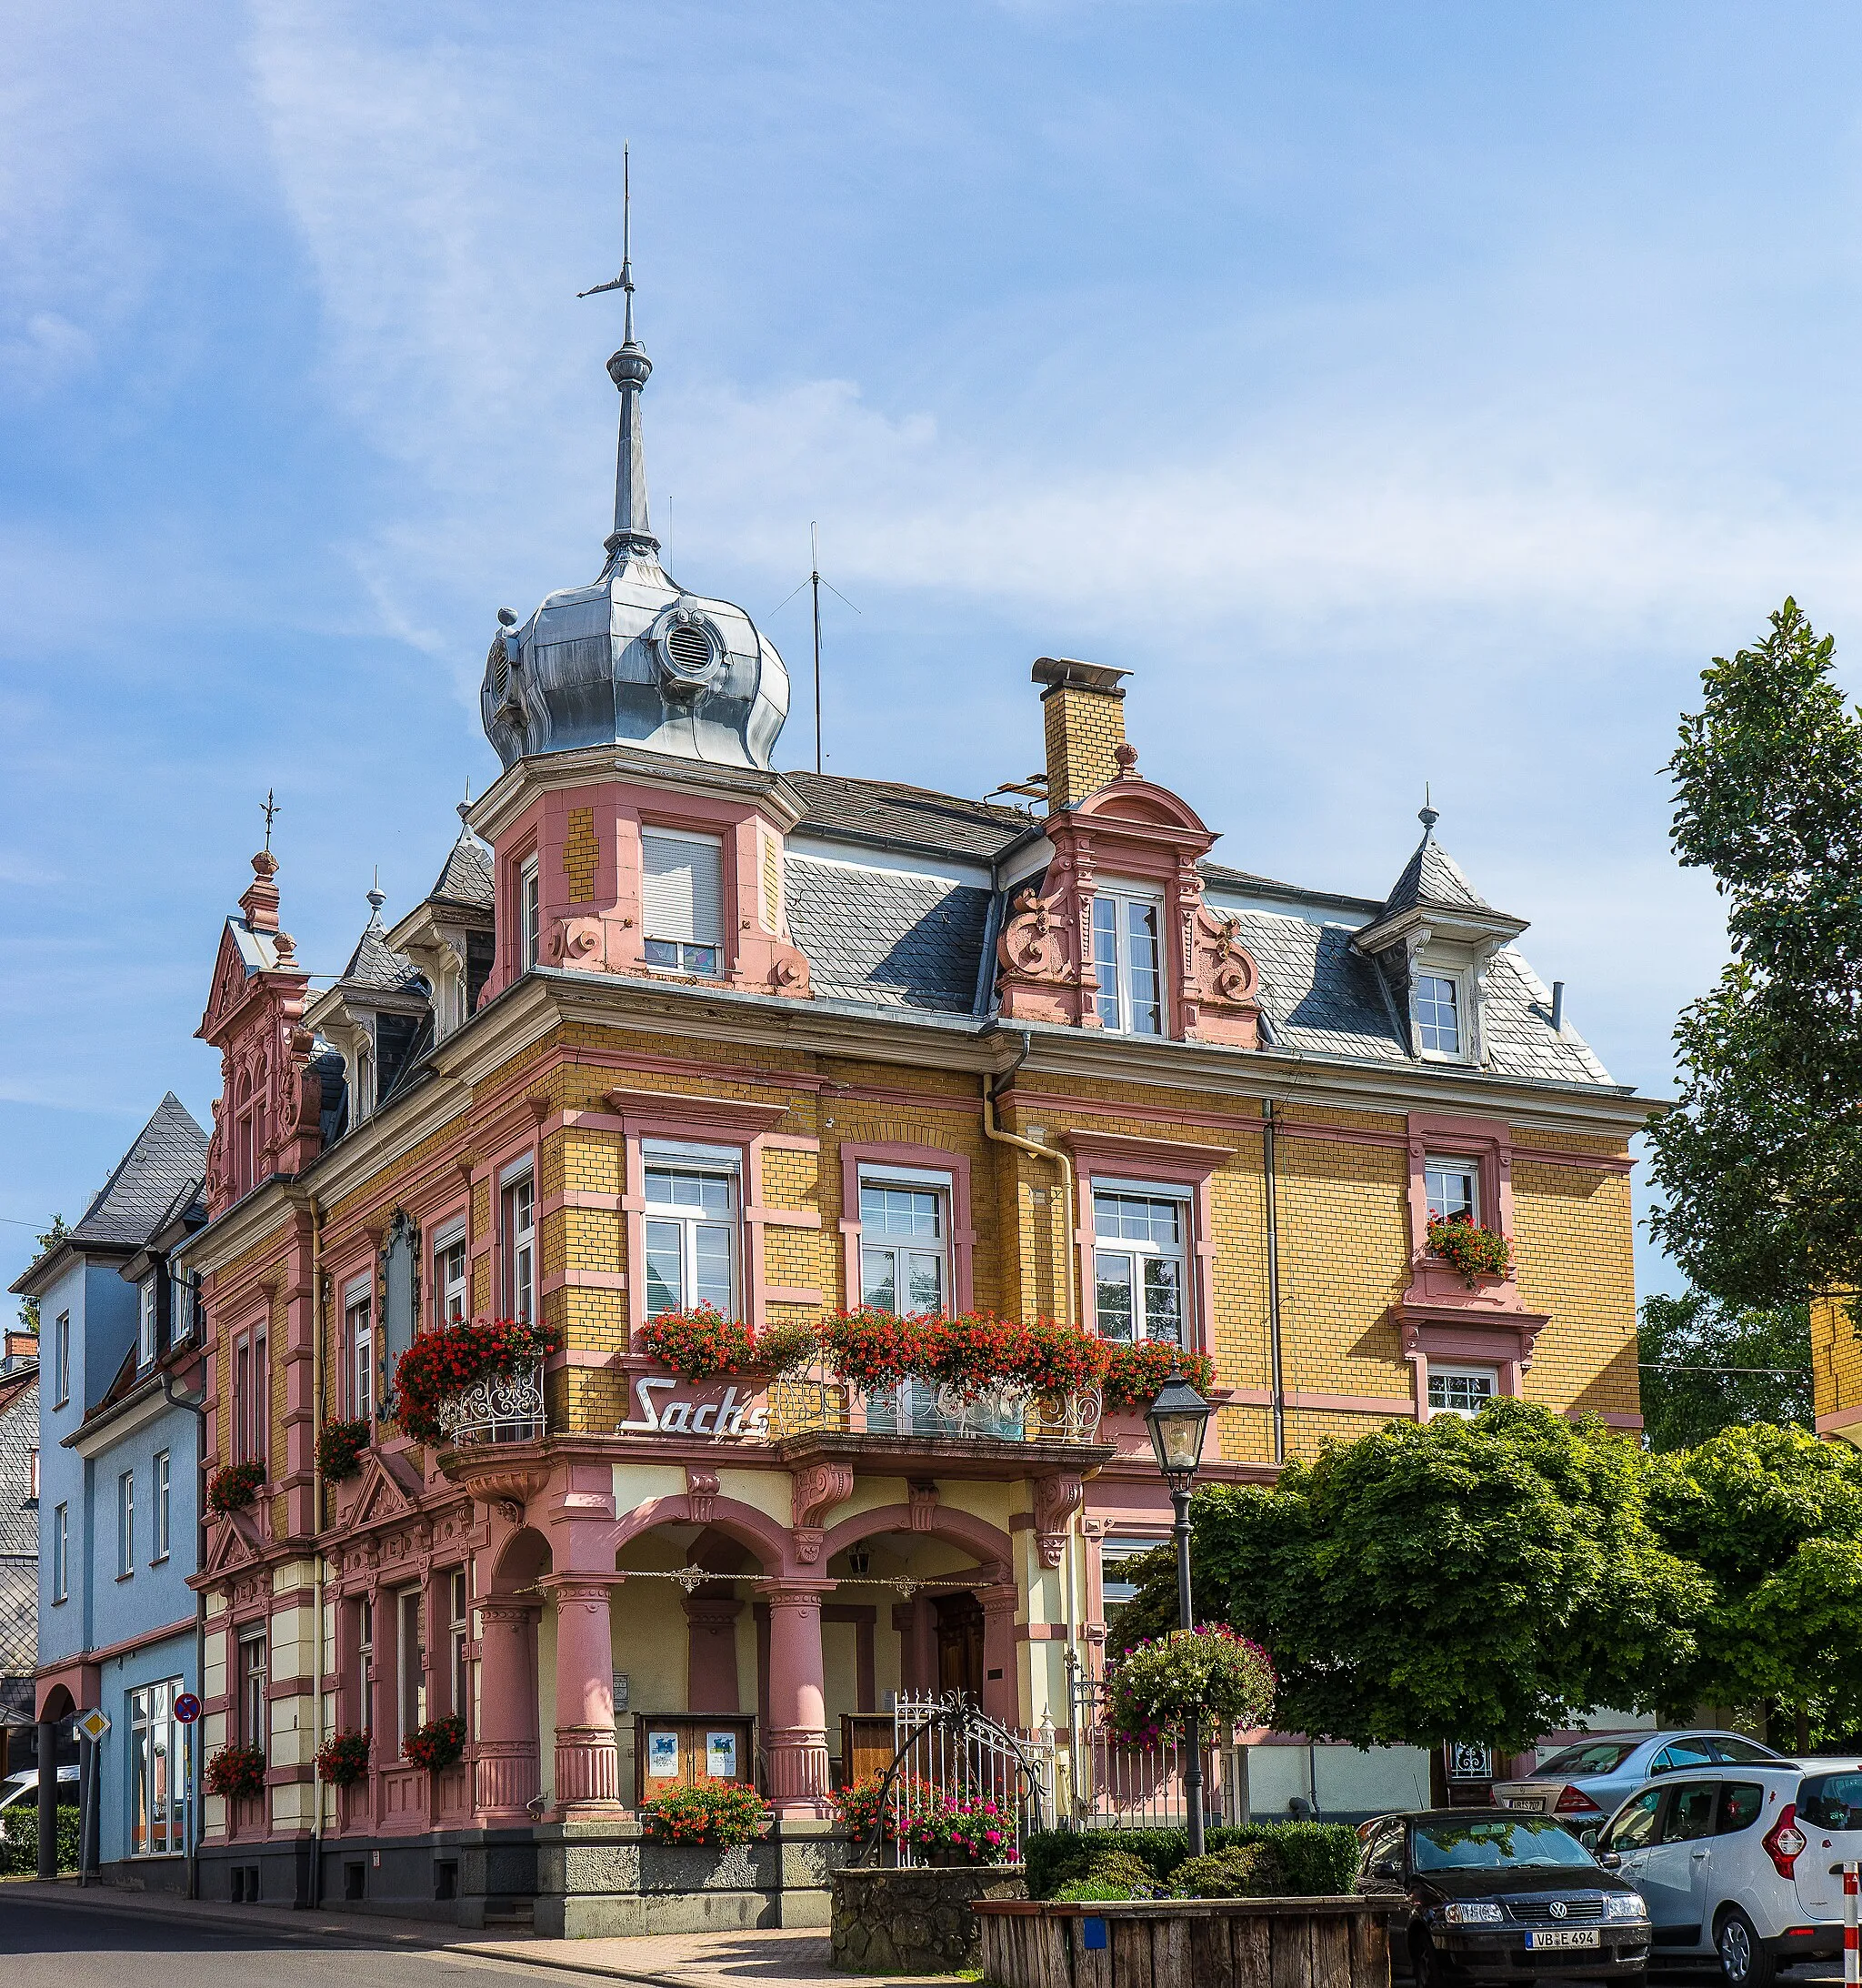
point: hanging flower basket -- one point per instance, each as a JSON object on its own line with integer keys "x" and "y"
{"x": 1208, "y": 1672}
{"x": 437, "y": 1744}
{"x": 344, "y": 1758}
{"x": 236, "y": 1773}
{"x": 236, "y": 1487}
{"x": 1475, "y": 1252}
{"x": 340, "y": 1447}
{"x": 446, "y": 1360}
{"x": 872, "y": 1348}
{"x": 698, "y": 1343}
{"x": 706, "y": 1813}
{"x": 1138, "y": 1370}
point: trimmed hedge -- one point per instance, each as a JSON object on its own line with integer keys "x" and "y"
{"x": 19, "y": 1840}
{"x": 1320, "y": 1859}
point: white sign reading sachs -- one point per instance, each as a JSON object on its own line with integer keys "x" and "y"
{"x": 732, "y": 1415}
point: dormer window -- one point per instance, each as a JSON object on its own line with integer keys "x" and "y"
{"x": 145, "y": 1317}
{"x": 529, "y": 916}
{"x": 682, "y": 893}
{"x": 1439, "y": 1023}
{"x": 1129, "y": 963}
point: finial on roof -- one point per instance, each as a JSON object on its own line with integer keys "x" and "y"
{"x": 1427, "y": 815}
{"x": 463, "y": 808}
{"x": 629, "y": 368}
{"x": 375, "y": 895}
{"x": 268, "y": 807}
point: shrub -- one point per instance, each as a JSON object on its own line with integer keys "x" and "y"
{"x": 713, "y": 1813}
{"x": 19, "y": 1840}
{"x": 1138, "y": 1370}
{"x": 339, "y": 1447}
{"x": 1475, "y": 1252}
{"x": 447, "y": 1359}
{"x": 236, "y": 1486}
{"x": 1130, "y": 1877}
{"x": 237, "y": 1773}
{"x": 344, "y": 1758}
{"x": 782, "y": 1349}
{"x": 1235, "y": 1870}
{"x": 1319, "y": 1859}
{"x": 1208, "y": 1671}
{"x": 698, "y": 1343}
{"x": 437, "y": 1744}
{"x": 1093, "y": 1891}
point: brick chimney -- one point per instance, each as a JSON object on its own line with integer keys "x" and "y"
{"x": 20, "y": 1348}
{"x": 1083, "y": 716}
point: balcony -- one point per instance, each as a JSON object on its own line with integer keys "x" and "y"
{"x": 496, "y": 1408}
{"x": 815, "y": 1401}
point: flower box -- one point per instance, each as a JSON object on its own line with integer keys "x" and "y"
{"x": 236, "y": 1486}
{"x": 1475, "y": 1252}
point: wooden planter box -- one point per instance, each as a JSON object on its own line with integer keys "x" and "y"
{"x": 1217, "y": 1943}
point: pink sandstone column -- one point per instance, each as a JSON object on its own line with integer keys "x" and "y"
{"x": 797, "y": 1741}
{"x": 1001, "y": 1675}
{"x": 506, "y": 1766}
{"x": 588, "y": 1768}
{"x": 711, "y": 1661}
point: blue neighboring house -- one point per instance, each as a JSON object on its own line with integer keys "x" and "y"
{"x": 119, "y": 1494}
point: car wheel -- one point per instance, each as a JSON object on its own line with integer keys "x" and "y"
{"x": 1744, "y": 1960}
{"x": 1424, "y": 1963}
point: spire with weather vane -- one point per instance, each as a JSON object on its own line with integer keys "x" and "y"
{"x": 630, "y": 369}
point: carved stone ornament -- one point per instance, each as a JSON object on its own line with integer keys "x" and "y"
{"x": 701, "y": 1494}
{"x": 509, "y": 1511}
{"x": 789, "y": 973}
{"x": 1056, "y": 1498}
{"x": 814, "y": 1488}
{"x": 1033, "y": 945}
{"x": 923, "y": 1497}
{"x": 579, "y": 942}
{"x": 1226, "y": 974}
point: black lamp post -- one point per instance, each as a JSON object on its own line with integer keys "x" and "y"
{"x": 1178, "y": 1419}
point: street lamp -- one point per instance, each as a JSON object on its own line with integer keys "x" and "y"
{"x": 1178, "y": 1419}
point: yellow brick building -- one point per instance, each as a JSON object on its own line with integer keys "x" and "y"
{"x": 673, "y": 1030}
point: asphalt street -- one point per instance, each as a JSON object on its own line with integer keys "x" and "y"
{"x": 52, "y": 1946}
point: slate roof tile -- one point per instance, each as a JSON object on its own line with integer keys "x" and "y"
{"x": 882, "y": 937}
{"x": 170, "y": 1154}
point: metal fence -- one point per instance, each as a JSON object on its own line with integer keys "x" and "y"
{"x": 948, "y": 1754}
{"x": 1115, "y": 1785}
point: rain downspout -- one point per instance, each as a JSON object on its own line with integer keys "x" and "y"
{"x": 992, "y": 1088}
{"x": 1277, "y": 1379}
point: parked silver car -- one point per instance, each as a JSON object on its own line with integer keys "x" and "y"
{"x": 1584, "y": 1784}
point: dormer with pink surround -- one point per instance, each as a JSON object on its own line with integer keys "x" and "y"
{"x": 266, "y": 1119}
{"x": 1117, "y": 933}
{"x": 638, "y": 828}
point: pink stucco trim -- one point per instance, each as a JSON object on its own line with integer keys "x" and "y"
{"x": 922, "y": 1160}
{"x": 1170, "y": 1162}
{"x": 1846, "y": 1422}
{"x": 755, "y": 1531}
{"x": 990, "y": 1545}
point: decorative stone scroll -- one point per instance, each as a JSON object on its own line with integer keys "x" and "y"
{"x": 1056, "y": 1498}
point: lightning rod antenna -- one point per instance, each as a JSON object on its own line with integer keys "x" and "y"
{"x": 815, "y": 585}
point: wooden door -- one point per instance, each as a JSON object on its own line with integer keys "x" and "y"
{"x": 960, "y": 1644}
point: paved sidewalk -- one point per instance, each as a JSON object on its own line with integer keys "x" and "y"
{"x": 770, "y": 1959}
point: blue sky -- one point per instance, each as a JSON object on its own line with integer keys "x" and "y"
{"x": 1400, "y": 393}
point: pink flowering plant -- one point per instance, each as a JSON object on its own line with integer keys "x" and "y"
{"x": 707, "y": 1813}
{"x": 977, "y": 1828}
{"x": 1208, "y": 1672}
{"x": 698, "y": 1343}
{"x": 858, "y": 1807}
{"x": 1475, "y": 1252}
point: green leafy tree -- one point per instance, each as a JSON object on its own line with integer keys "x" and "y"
{"x": 1452, "y": 1580}
{"x": 1772, "y": 1517}
{"x": 1708, "y": 1366}
{"x": 1761, "y": 1169}
{"x": 50, "y": 1239}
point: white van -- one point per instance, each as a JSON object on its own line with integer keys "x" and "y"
{"x": 1744, "y": 1861}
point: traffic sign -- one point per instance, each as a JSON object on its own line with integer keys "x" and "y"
{"x": 93, "y": 1723}
{"x": 186, "y": 1708}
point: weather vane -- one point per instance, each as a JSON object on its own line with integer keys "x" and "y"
{"x": 625, "y": 281}
{"x": 269, "y": 808}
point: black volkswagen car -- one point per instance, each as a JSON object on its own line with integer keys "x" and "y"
{"x": 1495, "y": 1895}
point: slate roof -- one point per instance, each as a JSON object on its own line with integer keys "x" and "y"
{"x": 466, "y": 878}
{"x": 373, "y": 963}
{"x": 879, "y": 812}
{"x": 883, "y": 937}
{"x": 1432, "y": 876}
{"x": 169, "y": 1156}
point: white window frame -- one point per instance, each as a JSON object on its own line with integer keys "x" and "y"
{"x": 364, "y": 1660}
{"x": 180, "y": 1310}
{"x": 410, "y": 1655}
{"x": 902, "y": 1250}
{"x": 1140, "y": 1250}
{"x": 358, "y": 1332}
{"x": 155, "y": 1734}
{"x": 681, "y": 952}
{"x": 1117, "y": 1006}
{"x": 1113, "y": 1552}
{"x": 61, "y": 1553}
{"x": 529, "y": 913}
{"x": 657, "y": 1156}
{"x": 1447, "y": 1372}
{"x": 1457, "y": 983}
{"x": 147, "y": 1321}
{"x": 125, "y": 1524}
{"x": 517, "y": 1235}
{"x": 459, "y": 1635}
{"x": 452, "y": 1275}
{"x": 159, "y": 1505}
{"x": 1453, "y": 1165}
{"x": 255, "y": 1721}
{"x": 61, "y": 1350}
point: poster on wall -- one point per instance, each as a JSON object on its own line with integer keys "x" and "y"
{"x": 661, "y": 1755}
{"x": 721, "y": 1755}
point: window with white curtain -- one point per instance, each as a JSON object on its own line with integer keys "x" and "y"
{"x": 1140, "y": 1249}
{"x": 692, "y": 1209}
{"x": 519, "y": 1211}
{"x": 449, "y": 1292}
{"x": 158, "y": 1507}
{"x": 126, "y": 1525}
{"x": 681, "y": 899}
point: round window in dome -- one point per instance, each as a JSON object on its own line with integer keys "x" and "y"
{"x": 691, "y": 648}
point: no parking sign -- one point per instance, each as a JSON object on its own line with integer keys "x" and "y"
{"x": 186, "y": 1708}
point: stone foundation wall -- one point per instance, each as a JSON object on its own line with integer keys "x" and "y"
{"x": 914, "y": 1921}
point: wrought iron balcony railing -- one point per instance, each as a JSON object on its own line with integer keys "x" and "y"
{"x": 497, "y": 1408}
